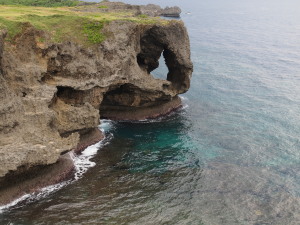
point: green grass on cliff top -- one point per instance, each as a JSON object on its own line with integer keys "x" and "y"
{"x": 45, "y": 3}
{"x": 63, "y": 23}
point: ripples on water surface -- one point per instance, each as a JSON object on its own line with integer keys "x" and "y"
{"x": 231, "y": 157}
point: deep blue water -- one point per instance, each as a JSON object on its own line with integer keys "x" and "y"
{"x": 230, "y": 157}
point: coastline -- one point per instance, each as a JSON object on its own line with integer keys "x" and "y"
{"x": 16, "y": 185}
{"x": 24, "y": 182}
{"x": 56, "y": 86}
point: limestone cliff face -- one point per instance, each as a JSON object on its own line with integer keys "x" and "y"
{"x": 52, "y": 95}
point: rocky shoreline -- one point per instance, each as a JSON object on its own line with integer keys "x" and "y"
{"x": 54, "y": 94}
{"x": 30, "y": 180}
{"x": 27, "y": 181}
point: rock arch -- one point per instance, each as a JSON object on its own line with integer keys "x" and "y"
{"x": 66, "y": 82}
{"x": 160, "y": 40}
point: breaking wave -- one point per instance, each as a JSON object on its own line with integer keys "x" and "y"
{"x": 82, "y": 163}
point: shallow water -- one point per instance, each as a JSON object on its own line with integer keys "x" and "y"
{"x": 231, "y": 157}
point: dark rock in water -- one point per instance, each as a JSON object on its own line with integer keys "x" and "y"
{"x": 155, "y": 10}
{"x": 151, "y": 10}
{"x": 171, "y": 12}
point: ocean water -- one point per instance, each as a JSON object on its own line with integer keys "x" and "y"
{"x": 230, "y": 156}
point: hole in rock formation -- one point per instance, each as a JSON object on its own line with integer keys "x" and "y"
{"x": 148, "y": 58}
{"x": 117, "y": 99}
{"x": 156, "y": 42}
{"x": 162, "y": 70}
{"x": 126, "y": 95}
{"x": 129, "y": 102}
{"x": 79, "y": 97}
{"x": 70, "y": 96}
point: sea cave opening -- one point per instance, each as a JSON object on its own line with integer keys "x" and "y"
{"x": 120, "y": 97}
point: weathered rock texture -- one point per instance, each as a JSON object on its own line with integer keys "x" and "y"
{"x": 52, "y": 95}
{"x": 149, "y": 10}
{"x": 26, "y": 181}
{"x": 155, "y": 10}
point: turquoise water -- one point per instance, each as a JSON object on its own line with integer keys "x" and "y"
{"x": 230, "y": 156}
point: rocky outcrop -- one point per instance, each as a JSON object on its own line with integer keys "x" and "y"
{"x": 155, "y": 10}
{"x": 151, "y": 10}
{"x": 53, "y": 95}
{"x": 28, "y": 180}
{"x": 174, "y": 11}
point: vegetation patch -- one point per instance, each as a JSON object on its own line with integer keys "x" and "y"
{"x": 80, "y": 24}
{"x": 12, "y": 27}
{"x": 142, "y": 16}
{"x": 44, "y": 3}
{"x": 93, "y": 31}
{"x": 103, "y": 7}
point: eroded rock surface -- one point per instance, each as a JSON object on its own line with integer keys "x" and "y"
{"x": 53, "y": 95}
{"x": 151, "y": 10}
{"x": 155, "y": 10}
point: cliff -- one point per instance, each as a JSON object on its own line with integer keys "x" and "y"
{"x": 53, "y": 93}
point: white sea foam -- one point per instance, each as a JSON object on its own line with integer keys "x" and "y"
{"x": 184, "y": 101}
{"x": 15, "y": 202}
{"x": 183, "y": 98}
{"x": 185, "y": 106}
{"x": 160, "y": 118}
{"x": 82, "y": 163}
